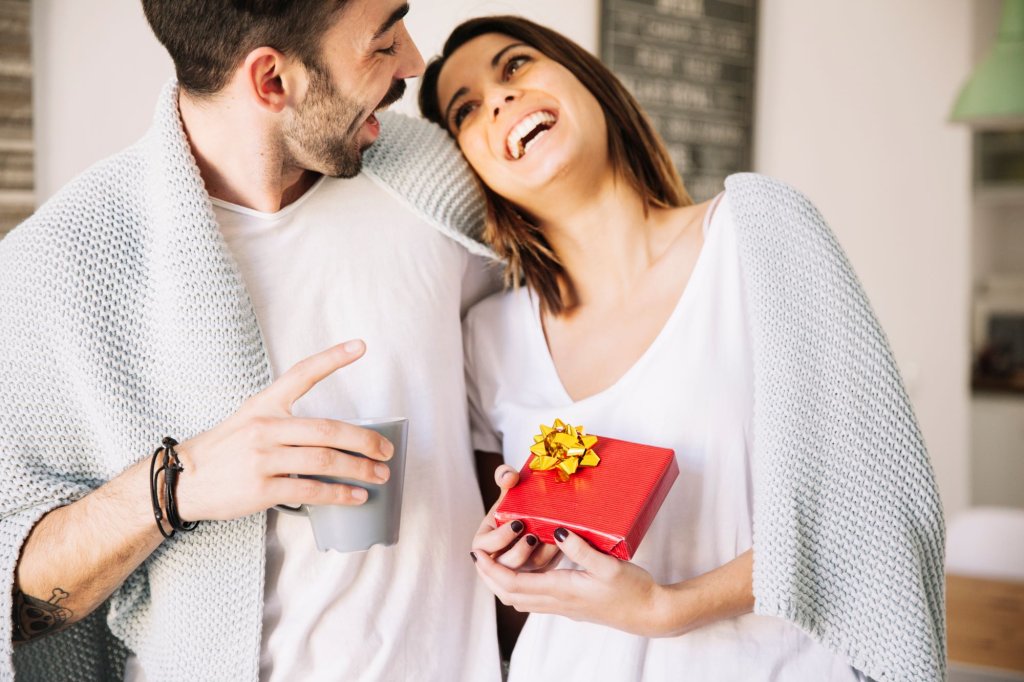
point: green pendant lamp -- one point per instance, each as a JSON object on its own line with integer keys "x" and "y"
{"x": 994, "y": 96}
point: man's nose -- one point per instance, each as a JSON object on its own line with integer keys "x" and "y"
{"x": 410, "y": 63}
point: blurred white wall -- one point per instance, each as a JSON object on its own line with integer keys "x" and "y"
{"x": 851, "y": 108}
{"x": 97, "y": 72}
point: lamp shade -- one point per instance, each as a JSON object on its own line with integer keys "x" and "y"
{"x": 994, "y": 96}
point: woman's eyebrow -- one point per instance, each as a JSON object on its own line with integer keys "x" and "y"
{"x": 502, "y": 51}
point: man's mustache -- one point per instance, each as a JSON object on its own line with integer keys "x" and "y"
{"x": 393, "y": 94}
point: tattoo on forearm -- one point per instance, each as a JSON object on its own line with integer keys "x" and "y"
{"x": 34, "y": 617}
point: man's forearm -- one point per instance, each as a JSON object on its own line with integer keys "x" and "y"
{"x": 77, "y": 555}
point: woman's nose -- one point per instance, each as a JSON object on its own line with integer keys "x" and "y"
{"x": 507, "y": 99}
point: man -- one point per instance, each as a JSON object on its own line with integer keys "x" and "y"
{"x": 161, "y": 292}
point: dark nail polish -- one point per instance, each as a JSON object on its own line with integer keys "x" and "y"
{"x": 561, "y": 534}
{"x": 531, "y": 540}
{"x": 517, "y": 526}
{"x": 473, "y": 556}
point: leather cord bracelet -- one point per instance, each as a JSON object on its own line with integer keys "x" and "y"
{"x": 170, "y": 467}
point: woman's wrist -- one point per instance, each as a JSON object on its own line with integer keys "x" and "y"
{"x": 725, "y": 592}
{"x": 673, "y": 609}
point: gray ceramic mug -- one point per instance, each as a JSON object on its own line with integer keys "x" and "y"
{"x": 376, "y": 521}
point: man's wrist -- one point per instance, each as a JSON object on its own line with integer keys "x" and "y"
{"x": 145, "y": 487}
{"x": 164, "y": 470}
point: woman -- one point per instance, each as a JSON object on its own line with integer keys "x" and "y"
{"x": 732, "y": 331}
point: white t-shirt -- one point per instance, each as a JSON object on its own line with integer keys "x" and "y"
{"x": 348, "y": 261}
{"x": 692, "y": 391}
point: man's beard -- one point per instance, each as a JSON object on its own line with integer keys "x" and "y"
{"x": 317, "y": 139}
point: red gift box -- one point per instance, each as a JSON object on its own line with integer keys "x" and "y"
{"x": 610, "y": 505}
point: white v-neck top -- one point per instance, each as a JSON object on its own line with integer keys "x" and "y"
{"x": 691, "y": 391}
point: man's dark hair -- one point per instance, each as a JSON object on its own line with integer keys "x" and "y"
{"x": 207, "y": 39}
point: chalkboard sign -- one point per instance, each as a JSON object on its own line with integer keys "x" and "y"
{"x": 690, "y": 63}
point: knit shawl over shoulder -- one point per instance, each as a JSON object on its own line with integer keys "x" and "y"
{"x": 849, "y": 538}
{"x": 123, "y": 319}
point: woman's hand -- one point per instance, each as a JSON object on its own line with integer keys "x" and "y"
{"x": 506, "y": 545}
{"x": 620, "y": 594}
{"x": 607, "y": 591}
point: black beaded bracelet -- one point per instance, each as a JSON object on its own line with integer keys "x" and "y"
{"x": 170, "y": 467}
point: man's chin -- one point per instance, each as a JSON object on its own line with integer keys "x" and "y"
{"x": 346, "y": 171}
{"x": 347, "y": 164}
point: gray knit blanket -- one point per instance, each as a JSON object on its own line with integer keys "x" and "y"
{"x": 123, "y": 319}
{"x": 849, "y": 537}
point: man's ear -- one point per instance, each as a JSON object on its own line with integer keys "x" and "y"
{"x": 268, "y": 80}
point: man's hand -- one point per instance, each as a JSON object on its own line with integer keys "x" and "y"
{"x": 243, "y": 465}
{"x": 78, "y": 554}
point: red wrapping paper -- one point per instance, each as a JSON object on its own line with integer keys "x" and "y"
{"x": 610, "y": 505}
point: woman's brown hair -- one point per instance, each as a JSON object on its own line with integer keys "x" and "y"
{"x": 636, "y": 151}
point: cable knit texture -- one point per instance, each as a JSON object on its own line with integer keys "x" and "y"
{"x": 124, "y": 319}
{"x": 848, "y": 529}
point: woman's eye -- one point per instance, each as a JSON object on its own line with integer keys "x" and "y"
{"x": 513, "y": 65}
{"x": 461, "y": 113}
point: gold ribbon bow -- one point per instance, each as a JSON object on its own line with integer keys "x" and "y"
{"x": 563, "y": 448}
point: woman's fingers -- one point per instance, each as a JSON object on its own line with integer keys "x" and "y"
{"x": 516, "y": 556}
{"x": 544, "y": 557}
{"x": 506, "y": 477}
{"x": 579, "y": 552}
{"x": 514, "y": 588}
{"x": 497, "y": 578}
{"x": 493, "y": 541}
{"x": 525, "y": 603}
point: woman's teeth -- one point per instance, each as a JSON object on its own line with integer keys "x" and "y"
{"x": 527, "y": 132}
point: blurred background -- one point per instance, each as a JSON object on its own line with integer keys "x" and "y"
{"x": 851, "y": 102}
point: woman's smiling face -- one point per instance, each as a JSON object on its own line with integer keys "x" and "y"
{"x": 521, "y": 119}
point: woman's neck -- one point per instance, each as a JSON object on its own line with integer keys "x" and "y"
{"x": 604, "y": 240}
